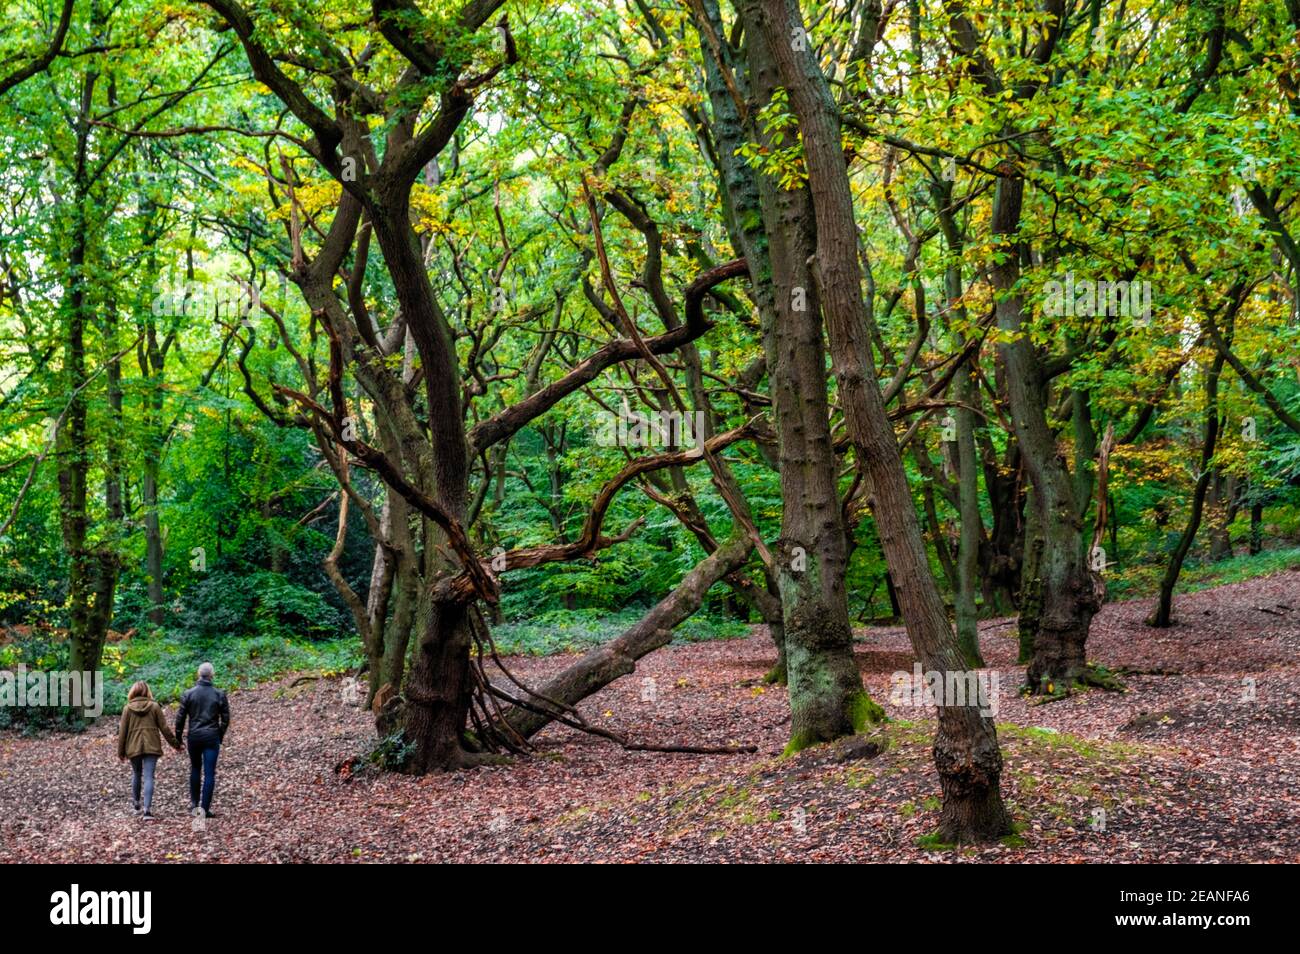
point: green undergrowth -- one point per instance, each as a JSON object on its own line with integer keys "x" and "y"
{"x": 1048, "y": 740}
{"x": 168, "y": 662}
{"x": 564, "y": 631}
{"x": 1143, "y": 580}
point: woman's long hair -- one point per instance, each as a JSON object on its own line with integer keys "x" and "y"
{"x": 141, "y": 688}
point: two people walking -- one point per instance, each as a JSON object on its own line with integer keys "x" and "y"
{"x": 144, "y": 726}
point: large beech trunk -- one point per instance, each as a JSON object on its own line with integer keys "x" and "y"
{"x": 966, "y": 750}
{"x": 1031, "y": 584}
{"x": 437, "y": 687}
{"x": 968, "y": 546}
{"x": 437, "y": 690}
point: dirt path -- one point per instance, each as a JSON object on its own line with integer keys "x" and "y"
{"x": 1184, "y": 767}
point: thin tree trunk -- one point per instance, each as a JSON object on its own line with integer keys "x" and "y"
{"x": 153, "y": 542}
{"x": 437, "y": 688}
{"x": 972, "y": 527}
{"x": 1003, "y": 551}
{"x": 1256, "y": 528}
{"x": 92, "y": 571}
{"x": 1031, "y": 582}
{"x": 1162, "y": 617}
{"x": 967, "y": 394}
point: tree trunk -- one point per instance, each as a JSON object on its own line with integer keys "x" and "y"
{"x": 972, "y": 527}
{"x": 967, "y": 394}
{"x": 153, "y": 543}
{"x": 1031, "y": 583}
{"x": 896, "y": 611}
{"x": 1068, "y": 595}
{"x": 1223, "y": 510}
{"x": 437, "y": 686}
{"x": 437, "y": 703}
{"x": 966, "y": 750}
{"x": 398, "y": 629}
{"x": 1003, "y": 551}
{"x": 826, "y": 695}
{"x": 1256, "y": 528}
{"x": 1163, "y": 615}
{"x": 774, "y": 228}
{"x": 437, "y": 690}
{"x": 152, "y": 360}
{"x": 92, "y": 570}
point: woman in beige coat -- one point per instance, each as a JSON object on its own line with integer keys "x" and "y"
{"x": 139, "y": 738}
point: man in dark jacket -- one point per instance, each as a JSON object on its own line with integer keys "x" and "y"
{"x": 208, "y": 712}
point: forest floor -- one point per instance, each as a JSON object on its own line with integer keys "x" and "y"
{"x": 1189, "y": 764}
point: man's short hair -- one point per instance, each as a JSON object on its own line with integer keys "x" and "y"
{"x": 205, "y": 670}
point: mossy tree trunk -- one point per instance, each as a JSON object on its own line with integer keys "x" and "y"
{"x": 774, "y": 229}
{"x": 1068, "y": 596}
{"x": 966, "y": 751}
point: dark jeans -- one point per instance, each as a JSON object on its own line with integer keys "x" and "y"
{"x": 203, "y": 760}
{"x": 142, "y": 769}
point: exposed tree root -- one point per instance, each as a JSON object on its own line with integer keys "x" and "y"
{"x": 1090, "y": 677}
{"x": 1099, "y": 677}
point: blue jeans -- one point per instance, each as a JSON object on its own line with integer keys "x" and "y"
{"x": 203, "y": 761}
{"x": 142, "y": 769}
